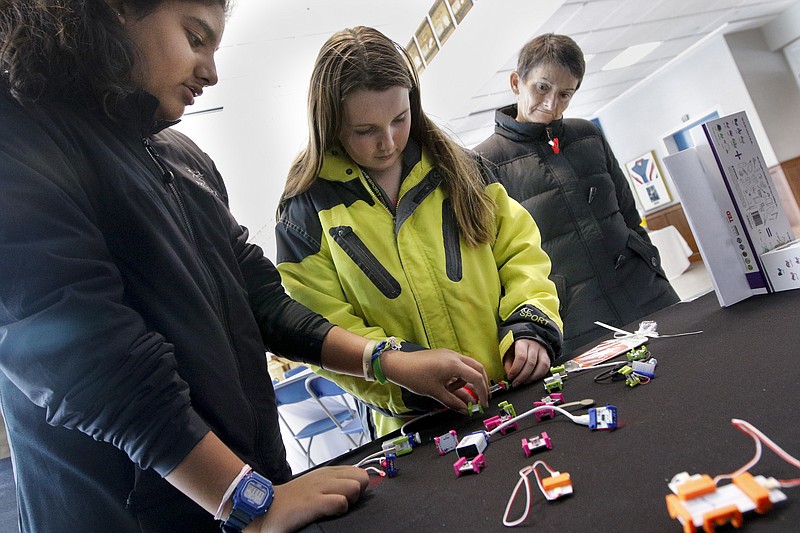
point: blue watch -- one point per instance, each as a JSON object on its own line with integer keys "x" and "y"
{"x": 251, "y": 499}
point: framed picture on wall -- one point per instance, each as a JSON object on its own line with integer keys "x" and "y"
{"x": 648, "y": 182}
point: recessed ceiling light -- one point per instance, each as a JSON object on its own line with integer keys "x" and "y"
{"x": 631, "y": 55}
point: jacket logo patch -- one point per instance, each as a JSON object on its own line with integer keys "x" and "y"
{"x": 199, "y": 179}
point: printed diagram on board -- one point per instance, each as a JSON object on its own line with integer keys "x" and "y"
{"x": 748, "y": 182}
{"x": 757, "y": 202}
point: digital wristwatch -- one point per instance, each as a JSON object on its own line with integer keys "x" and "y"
{"x": 251, "y": 499}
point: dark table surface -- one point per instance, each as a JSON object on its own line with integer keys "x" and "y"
{"x": 744, "y": 365}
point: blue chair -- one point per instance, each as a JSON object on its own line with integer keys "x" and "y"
{"x": 294, "y": 370}
{"x": 346, "y": 419}
{"x": 293, "y": 390}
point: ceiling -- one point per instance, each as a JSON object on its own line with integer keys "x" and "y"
{"x": 468, "y": 78}
{"x": 604, "y": 28}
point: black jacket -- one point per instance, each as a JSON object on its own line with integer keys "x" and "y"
{"x": 134, "y": 316}
{"x": 604, "y": 266}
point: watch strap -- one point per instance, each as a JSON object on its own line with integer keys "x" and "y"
{"x": 236, "y": 522}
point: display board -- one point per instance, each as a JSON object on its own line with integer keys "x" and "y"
{"x": 731, "y": 204}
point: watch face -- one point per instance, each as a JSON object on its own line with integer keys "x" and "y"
{"x": 255, "y": 493}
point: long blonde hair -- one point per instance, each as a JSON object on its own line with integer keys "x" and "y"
{"x": 364, "y": 58}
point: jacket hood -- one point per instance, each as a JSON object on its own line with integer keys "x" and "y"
{"x": 508, "y": 126}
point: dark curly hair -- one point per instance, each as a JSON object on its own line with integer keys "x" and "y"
{"x": 70, "y": 50}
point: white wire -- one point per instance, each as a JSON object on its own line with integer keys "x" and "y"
{"x": 757, "y": 436}
{"x": 523, "y": 479}
{"x": 612, "y": 328}
{"x": 621, "y": 333}
{"x": 420, "y": 417}
{"x": 783, "y": 454}
{"x": 366, "y": 459}
{"x": 593, "y": 367}
{"x": 582, "y": 420}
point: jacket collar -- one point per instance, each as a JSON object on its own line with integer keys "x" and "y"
{"x": 136, "y": 113}
{"x": 337, "y": 165}
{"x": 506, "y": 124}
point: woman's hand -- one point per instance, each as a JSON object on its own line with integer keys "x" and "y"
{"x": 327, "y": 491}
{"x": 438, "y": 373}
{"x": 525, "y": 362}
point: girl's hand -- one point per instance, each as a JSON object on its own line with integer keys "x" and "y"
{"x": 525, "y": 362}
{"x": 327, "y": 491}
{"x": 438, "y": 373}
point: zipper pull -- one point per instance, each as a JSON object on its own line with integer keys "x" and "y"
{"x": 552, "y": 141}
{"x": 166, "y": 174}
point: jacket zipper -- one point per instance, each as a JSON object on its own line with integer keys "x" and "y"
{"x": 355, "y": 248}
{"x": 168, "y": 178}
{"x": 376, "y": 191}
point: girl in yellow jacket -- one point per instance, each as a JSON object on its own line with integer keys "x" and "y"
{"x": 388, "y": 228}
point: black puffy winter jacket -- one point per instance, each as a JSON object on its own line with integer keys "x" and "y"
{"x": 604, "y": 266}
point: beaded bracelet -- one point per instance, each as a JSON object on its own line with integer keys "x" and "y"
{"x": 389, "y": 344}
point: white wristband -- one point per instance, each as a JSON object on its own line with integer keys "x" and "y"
{"x": 246, "y": 469}
{"x": 366, "y": 361}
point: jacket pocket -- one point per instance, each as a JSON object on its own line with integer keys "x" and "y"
{"x": 355, "y": 248}
{"x": 452, "y": 244}
{"x": 647, "y": 251}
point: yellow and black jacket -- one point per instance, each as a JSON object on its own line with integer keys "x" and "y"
{"x": 376, "y": 271}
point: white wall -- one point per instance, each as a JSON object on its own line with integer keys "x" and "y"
{"x": 784, "y": 29}
{"x": 252, "y": 142}
{"x": 265, "y": 65}
{"x": 792, "y": 53}
{"x": 770, "y": 82}
{"x": 704, "y": 79}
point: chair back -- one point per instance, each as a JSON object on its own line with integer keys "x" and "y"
{"x": 294, "y": 370}
{"x": 321, "y": 387}
{"x": 296, "y": 389}
{"x": 288, "y": 392}
{"x": 346, "y": 419}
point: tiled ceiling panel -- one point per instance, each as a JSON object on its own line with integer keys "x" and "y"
{"x": 592, "y": 14}
{"x": 603, "y": 28}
